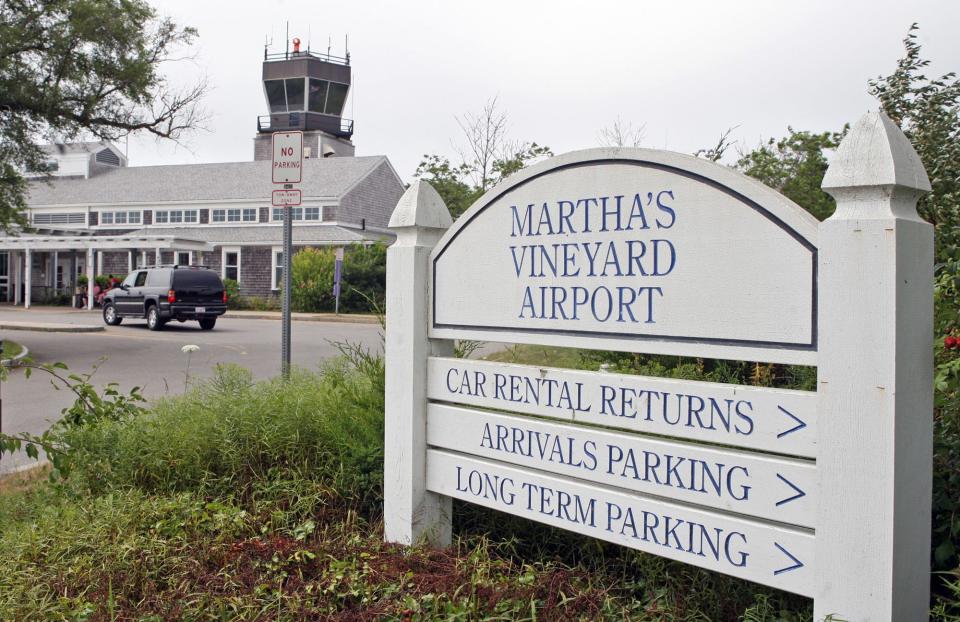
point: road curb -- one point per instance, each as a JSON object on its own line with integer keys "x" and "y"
{"x": 20, "y": 470}
{"x": 40, "y": 327}
{"x": 22, "y": 355}
{"x": 335, "y": 319}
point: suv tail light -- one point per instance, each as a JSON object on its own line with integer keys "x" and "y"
{"x": 224, "y": 296}
{"x": 171, "y": 296}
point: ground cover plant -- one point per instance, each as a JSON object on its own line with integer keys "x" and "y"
{"x": 257, "y": 501}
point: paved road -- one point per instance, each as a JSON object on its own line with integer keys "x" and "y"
{"x": 136, "y": 356}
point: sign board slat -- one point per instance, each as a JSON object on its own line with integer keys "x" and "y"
{"x": 780, "y": 557}
{"x": 778, "y": 489}
{"x": 775, "y": 420}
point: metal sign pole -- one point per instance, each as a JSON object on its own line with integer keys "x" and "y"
{"x": 287, "y": 282}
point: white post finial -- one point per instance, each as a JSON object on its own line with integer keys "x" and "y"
{"x": 875, "y": 396}
{"x": 411, "y": 513}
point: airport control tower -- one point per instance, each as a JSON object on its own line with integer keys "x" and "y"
{"x": 306, "y": 91}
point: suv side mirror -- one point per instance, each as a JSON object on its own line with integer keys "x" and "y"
{"x": 124, "y": 286}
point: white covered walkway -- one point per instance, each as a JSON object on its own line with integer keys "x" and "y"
{"x": 21, "y": 250}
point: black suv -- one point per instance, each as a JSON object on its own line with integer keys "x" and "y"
{"x": 167, "y": 293}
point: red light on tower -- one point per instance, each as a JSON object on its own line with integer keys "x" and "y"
{"x": 296, "y": 45}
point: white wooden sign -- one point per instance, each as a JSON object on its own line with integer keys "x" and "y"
{"x": 825, "y": 494}
{"x": 775, "y": 556}
{"x": 642, "y": 250}
{"x": 779, "y": 489}
{"x": 775, "y": 420}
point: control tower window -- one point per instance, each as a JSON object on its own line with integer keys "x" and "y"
{"x": 336, "y": 98}
{"x": 276, "y": 96}
{"x": 327, "y": 97}
{"x": 318, "y": 94}
{"x": 295, "y": 94}
{"x": 285, "y": 95}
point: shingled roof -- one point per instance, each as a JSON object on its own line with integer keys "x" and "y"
{"x": 326, "y": 177}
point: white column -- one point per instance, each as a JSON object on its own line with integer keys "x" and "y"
{"x": 875, "y": 413}
{"x": 156, "y": 253}
{"x": 129, "y": 261}
{"x": 18, "y": 276}
{"x": 90, "y": 278}
{"x": 411, "y": 514}
{"x": 28, "y": 277}
{"x": 56, "y": 268}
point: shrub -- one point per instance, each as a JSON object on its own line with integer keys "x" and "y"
{"x": 232, "y": 288}
{"x": 230, "y": 435}
{"x": 312, "y": 277}
{"x": 363, "y": 284}
{"x": 364, "y": 278}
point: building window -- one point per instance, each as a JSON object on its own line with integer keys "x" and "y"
{"x": 285, "y": 95}
{"x": 184, "y": 258}
{"x": 299, "y": 213}
{"x": 71, "y": 218}
{"x": 277, "y": 271}
{"x": 234, "y": 214}
{"x": 231, "y": 263}
{"x": 120, "y": 218}
{"x": 327, "y": 97}
{"x": 175, "y": 216}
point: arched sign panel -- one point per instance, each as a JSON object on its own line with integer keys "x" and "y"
{"x": 633, "y": 250}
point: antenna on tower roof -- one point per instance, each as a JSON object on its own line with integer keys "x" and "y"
{"x": 346, "y": 45}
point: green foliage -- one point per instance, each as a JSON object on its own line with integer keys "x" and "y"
{"x": 928, "y": 112}
{"x": 450, "y": 182}
{"x": 256, "y": 303}
{"x": 102, "y": 280}
{"x": 312, "y": 277}
{"x": 363, "y": 285}
{"x": 77, "y": 67}
{"x": 795, "y": 166}
{"x": 518, "y": 159}
{"x": 232, "y": 287}
{"x": 91, "y": 407}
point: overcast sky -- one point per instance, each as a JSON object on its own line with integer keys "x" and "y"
{"x": 562, "y": 70}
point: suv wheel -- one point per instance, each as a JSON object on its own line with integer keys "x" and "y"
{"x": 208, "y": 323}
{"x": 110, "y": 315}
{"x": 153, "y": 318}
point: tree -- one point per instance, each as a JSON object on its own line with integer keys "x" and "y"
{"x": 795, "y": 166}
{"x": 488, "y": 157}
{"x": 449, "y": 181}
{"x": 621, "y": 134}
{"x": 928, "y": 112}
{"x": 71, "y": 68}
{"x": 485, "y": 135}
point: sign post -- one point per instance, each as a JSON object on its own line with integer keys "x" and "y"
{"x": 288, "y": 170}
{"x": 337, "y": 277}
{"x": 822, "y": 493}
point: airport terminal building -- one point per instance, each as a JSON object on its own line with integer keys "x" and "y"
{"x": 92, "y": 214}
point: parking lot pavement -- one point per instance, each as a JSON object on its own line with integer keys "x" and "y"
{"x": 132, "y": 355}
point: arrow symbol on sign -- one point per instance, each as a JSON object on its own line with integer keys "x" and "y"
{"x": 796, "y": 489}
{"x": 800, "y": 424}
{"x": 796, "y": 562}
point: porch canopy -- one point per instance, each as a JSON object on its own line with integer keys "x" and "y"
{"x": 25, "y": 244}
